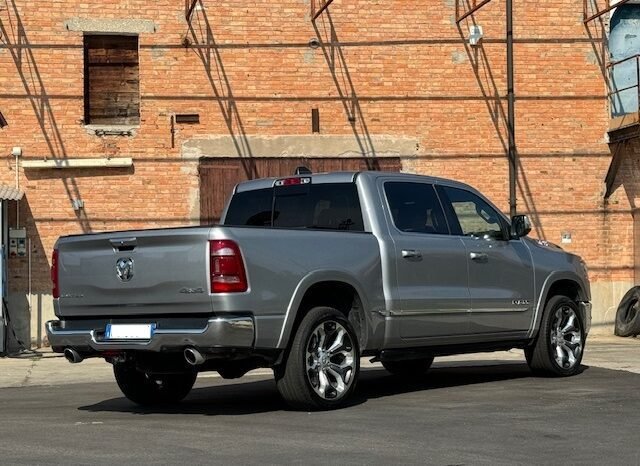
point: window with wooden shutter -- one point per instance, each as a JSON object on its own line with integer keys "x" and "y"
{"x": 111, "y": 80}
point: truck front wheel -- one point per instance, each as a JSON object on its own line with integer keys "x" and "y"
{"x": 323, "y": 363}
{"x": 153, "y": 389}
{"x": 560, "y": 344}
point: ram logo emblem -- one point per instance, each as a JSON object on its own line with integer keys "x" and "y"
{"x": 124, "y": 269}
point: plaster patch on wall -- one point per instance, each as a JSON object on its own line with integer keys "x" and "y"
{"x": 190, "y": 169}
{"x": 194, "y": 205}
{"x": 157, "y": 54}
{"x": 309, "y": 56}
{"x": 124, "y": 26}
{"x": 458, "y": 57}
{"x": 592, "y": 57}
{"x": 301, "y": 146}
{"x": 307, "y": 15}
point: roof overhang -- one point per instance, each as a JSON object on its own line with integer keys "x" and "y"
{"x": 8, "y": 193}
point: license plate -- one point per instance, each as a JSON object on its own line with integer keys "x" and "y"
{"x": 129, "y": 331}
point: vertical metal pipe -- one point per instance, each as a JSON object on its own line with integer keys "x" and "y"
{"x": 638, "y": 82}
{"x": 511, "y": 128}
{"x": 17, "y": 189}
{"x": 173, "y": 132}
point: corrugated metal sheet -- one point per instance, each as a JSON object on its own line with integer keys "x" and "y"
{"x": 8, "y": 193}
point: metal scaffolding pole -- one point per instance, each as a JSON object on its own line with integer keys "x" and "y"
{"x": 511, "y": 126}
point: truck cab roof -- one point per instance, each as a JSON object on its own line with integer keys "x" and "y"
{"x": 344, "y": 177}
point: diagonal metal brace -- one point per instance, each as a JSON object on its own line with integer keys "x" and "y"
{"x": 191, "y": 8}
{"x": 460, "y": 17}
{"x": 599, "y": 13}
{"x": 322, "y": 5}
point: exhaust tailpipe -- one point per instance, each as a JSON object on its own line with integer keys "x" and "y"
{"x": 72, "y": 356}
{"x": 193, "y": 356}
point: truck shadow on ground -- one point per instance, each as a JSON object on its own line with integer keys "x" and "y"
{"x": 261, "y": 396}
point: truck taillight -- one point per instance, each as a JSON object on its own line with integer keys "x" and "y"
{"x": 227, "y": 267}
{"x": 54, "y": 274}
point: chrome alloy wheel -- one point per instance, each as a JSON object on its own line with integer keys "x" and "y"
{"x": 330, "y": 360}
{"x": 566, "y": 337}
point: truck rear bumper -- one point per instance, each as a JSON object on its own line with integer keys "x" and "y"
{"x": 228, "y": 332}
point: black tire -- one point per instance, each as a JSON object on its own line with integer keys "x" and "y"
{"x": 296, "y": 381}
{"x": 157, "y": 389}
{"x": 542, "y": 355}
{"x": 628, "y": 314}
{"x": 408, "y": 368}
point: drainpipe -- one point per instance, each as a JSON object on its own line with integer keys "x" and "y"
{"x": 511, "y": 128}
{"x": 17, "y": 152}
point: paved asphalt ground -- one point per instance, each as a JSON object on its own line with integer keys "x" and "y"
{"x": 476, "y": 411}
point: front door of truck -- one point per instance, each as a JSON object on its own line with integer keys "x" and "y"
{"x": 431, "y": 264}
{"x": 501, "y": 281}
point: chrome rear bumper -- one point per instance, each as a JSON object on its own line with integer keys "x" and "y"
{"x": 230, "y": 332}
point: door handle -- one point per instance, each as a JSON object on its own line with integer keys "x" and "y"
{"x": 411, "y": 254}
{"x": 478, "y": 256}
{"x": 124, "y": 244}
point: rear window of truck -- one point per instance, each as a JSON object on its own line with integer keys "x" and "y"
{"x": 334, "y": 206}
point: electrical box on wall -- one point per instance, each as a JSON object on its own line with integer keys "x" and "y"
{"x": 17, "y": 242}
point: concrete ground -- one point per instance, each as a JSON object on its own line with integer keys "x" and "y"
{"x": 52, "y": 369}
{"x": 471, "y": 409}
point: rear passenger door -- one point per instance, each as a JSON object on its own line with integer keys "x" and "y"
{"x": 500, "y": 268}
{"x": 431, "y": 265}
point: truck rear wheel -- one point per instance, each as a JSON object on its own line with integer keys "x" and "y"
{"x": 323, "y": 362}
{"x": 153, "y": 389}
{"x": 559, "y": 347}
{"x": 408, "y": 367}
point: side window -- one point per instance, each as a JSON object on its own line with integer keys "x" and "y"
{"x": 475, "y": 217}
{"x": 334, "y": 206}
{"x": 250, "y": 208}
{"x": 415, "y": 208}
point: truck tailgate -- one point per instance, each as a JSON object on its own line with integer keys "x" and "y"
{"x": 134, "y": 273}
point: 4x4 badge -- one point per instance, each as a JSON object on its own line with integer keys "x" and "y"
{"x": 124, "y": 269}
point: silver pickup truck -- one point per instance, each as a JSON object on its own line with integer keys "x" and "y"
{"x": 306, "y": 275}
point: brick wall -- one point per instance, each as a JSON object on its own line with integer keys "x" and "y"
{"x": 399, "y": 67}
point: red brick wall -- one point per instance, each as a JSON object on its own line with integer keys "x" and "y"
{"x": 401, "y": 64}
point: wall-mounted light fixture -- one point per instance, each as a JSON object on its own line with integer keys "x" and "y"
{"x": 475, "y": 34}
{"x": 77, "y": 204}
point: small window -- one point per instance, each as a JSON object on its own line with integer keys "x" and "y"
{"x": 474, "y": 216}
{"x": 111, "y": 80}
{"x": 415, "y": 208}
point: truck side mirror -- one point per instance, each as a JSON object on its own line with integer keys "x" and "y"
{"x": 520, "y": 226}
